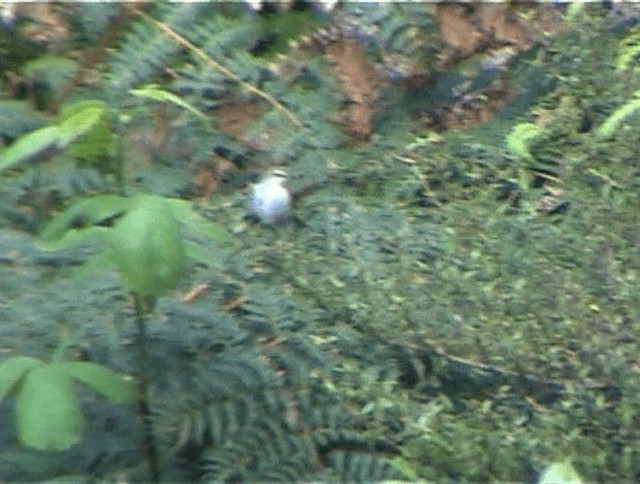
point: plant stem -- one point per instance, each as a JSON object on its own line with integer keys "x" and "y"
{"x": 143, "y": 389}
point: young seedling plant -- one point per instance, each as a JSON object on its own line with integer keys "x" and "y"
{"x": 145, "y": 245}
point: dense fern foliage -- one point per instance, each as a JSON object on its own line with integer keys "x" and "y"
{"x": 453, "y": 296}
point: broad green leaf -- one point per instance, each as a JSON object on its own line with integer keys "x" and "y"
{"x": 84, "y": 213}
{"x": 70, "y": 126}
{"x": 93, "y": 264}
{"x": 74, "y": 126}
{"x": 100, "y": 379}
{"x": 560, "y": 473}
{"x": 147, "y": 247}
{"x": 73, "y": 237}
{"x": 12, "y": 370}
{"x": 47, "y": 411}
{"x": 30, "y": 145}
{"x": 99, "y": 141}
{"x": 184, "y": 212}
{"x": 157, "y": 94}
{"x": 78, "y": 107}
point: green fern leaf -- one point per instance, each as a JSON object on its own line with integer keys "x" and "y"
{"x": 617, "y": 117}
{"x": 519, "y": 140}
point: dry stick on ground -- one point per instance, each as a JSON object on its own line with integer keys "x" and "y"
{"x": 172, "y": 34}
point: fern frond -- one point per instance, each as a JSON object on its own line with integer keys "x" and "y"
{"x": 629, "y": 50}
{"x": 224, "y": 399}
{"x": 264, "y": 449}
{"x": 617, "y": 117}
{"x": 360, "y": 467}
{"x": 402, "y": 35}
{"x": 17, "y": 118}
{"x": 144, "y": 51}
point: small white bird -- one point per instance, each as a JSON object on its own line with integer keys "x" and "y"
{"x": 270, "y": 199}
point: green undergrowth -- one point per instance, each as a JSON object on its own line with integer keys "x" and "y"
{"x": 447, "y": 307}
